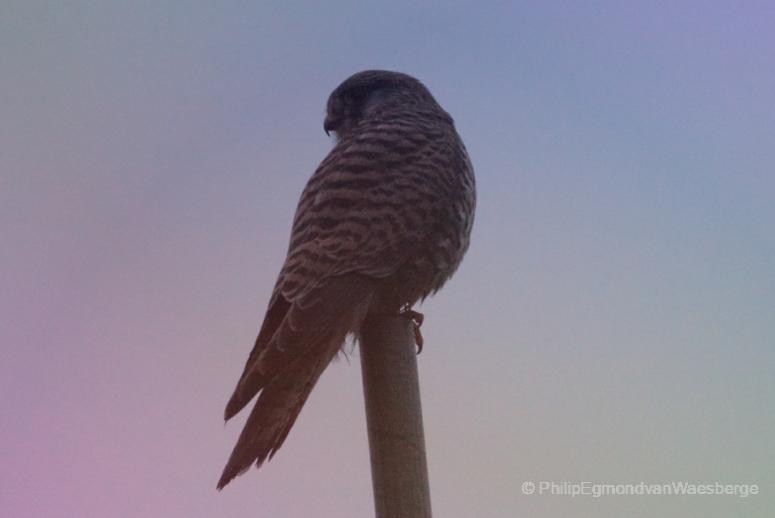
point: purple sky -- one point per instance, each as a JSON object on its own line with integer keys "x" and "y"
{"x": 612, "y": 323}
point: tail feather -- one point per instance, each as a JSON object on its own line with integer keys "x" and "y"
{"x": 276, "y": 410}
{"x": 297, "y": 342}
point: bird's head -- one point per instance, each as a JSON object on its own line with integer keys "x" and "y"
{"x": 364, "y": 94}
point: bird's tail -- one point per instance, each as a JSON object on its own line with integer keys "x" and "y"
{"x": 277, "y": 408}
{"x": 283, "y": 369}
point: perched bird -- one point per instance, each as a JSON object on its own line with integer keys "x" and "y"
{"x": 382, "y": 223}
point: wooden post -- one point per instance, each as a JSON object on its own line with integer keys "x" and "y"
{"x": 391, "y": 388}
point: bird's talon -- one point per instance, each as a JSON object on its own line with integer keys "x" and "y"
{"x": 417, "y": 319}
{"x": 418, "y": 337}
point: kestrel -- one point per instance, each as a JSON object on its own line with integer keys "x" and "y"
{"x": 382, "y": 223}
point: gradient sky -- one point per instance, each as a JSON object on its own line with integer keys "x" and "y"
{"x": 614, "y": 320}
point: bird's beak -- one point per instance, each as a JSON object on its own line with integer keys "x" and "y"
{"x": 330, "y": 124}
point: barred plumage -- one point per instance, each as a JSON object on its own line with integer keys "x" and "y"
{"x": 382, "y": 223}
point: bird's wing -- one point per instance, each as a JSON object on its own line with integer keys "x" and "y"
{"x": 358, "y": 220}
{"x": 356, "y": 215}
{"x": 365, "y": 210}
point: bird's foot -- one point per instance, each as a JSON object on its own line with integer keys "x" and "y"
{"x": 417, "y": 320}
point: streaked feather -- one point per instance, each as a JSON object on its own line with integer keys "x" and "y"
{"x": 384, "y": 221}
